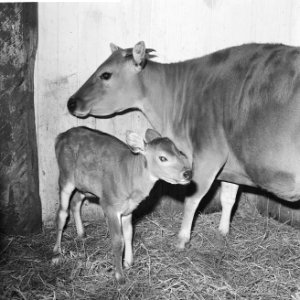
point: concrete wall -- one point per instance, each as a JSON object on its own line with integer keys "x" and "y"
{"x": 74, "y": 40}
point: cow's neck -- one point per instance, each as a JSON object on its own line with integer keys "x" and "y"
{"x": 155, "y": 95}
{"x": 162, "y": 100}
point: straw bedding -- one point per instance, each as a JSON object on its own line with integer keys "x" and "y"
{"x": 260, "y": 259}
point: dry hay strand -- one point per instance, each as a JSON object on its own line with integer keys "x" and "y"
{"x": 258, "y": 260}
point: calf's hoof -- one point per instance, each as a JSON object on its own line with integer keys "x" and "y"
{"x": 56, "y": 258}
{"x": 128, "y": 264}
{"x": 120, "y": 278}
{"x": 81, "y": 237}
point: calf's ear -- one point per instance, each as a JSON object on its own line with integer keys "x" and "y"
{"x": 135, "y": 142}
{"x": 151, "y": 135}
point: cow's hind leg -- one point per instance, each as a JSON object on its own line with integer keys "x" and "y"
{"x": 76, "y": 207}
{"x": 127, "y": 233}
{"x": 227, "y": 198}
{"x": 62, "y": 214}
{"x": 115, "y": 229}
{"x": 204, "y": 175}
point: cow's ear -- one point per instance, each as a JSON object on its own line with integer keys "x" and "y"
{"x": 151, "y": 134}
{"x": 139, "y": 54}
{"x": 113, "y": 47}
{"x": 135, "y": 142}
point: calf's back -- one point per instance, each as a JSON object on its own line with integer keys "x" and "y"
{"x": 97, "y": 163}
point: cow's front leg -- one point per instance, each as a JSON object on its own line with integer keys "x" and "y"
{"x": 227, "y": 197}
{"x": 204, "y": 175}
{"x": 127, "y": 233}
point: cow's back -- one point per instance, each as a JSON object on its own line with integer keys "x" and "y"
{"x": 256, "y": 77}
{"x": 230, "y": 85}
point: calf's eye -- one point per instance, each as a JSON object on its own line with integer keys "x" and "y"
{"x": 162, "y": 158}
{"x": 183, "y": 154}
{"x": 105, "y": 75}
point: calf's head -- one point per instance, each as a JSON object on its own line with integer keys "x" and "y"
{"x": 115, "y": 86}
{"x": 164, "y": 160}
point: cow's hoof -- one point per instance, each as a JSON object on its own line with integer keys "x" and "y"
{"x": 223, "y": 230}
{"x": 181, "y": 244}
{"x": 183, "y": 240}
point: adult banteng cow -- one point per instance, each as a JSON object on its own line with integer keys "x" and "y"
{"x": 235, "y": 113}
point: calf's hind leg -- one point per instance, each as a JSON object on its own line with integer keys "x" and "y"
{"x": 62, "y": 214}
{"x": 76, "y": 207}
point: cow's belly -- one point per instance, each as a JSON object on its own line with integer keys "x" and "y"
{"x": 269, "y": 150}
{"x": 279, "y": 173}
{"x": 234, "y": 172}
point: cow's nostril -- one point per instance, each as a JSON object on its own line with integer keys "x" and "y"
{"x": 72, "y": 103}
{"x": 188, "y": 174}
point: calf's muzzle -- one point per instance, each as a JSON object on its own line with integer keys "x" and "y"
{"x": 188, "y": 174}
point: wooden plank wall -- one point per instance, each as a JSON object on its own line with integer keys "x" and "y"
{"x": 74, "y": 39}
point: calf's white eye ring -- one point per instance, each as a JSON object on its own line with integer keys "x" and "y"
{"x": 162, "y": 158}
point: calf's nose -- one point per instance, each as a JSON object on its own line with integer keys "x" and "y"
{"x": 72, "y": 103}
{"x": 188, "y": 174}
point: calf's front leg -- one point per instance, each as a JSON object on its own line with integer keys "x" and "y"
{"x": 115, "y": 230}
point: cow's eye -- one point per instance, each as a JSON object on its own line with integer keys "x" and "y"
{"x": 163, "y": 158}
{"x": 105, "y": 75}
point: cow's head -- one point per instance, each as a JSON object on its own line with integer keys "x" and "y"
{"x": 115, "y": 86}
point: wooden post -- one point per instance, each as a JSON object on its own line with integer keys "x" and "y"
{"x": 20, "y": 205}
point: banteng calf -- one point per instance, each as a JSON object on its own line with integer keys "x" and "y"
{"x": 96, "y": 163}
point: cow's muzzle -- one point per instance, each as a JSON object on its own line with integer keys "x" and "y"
{"x": 72, "y": 105}
{"x": 75, "y": 107}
